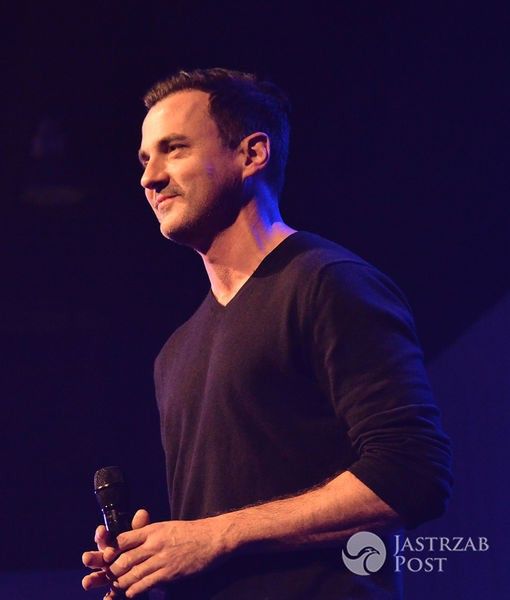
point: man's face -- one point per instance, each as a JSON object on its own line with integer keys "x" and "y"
{"x": 192, "y": 181}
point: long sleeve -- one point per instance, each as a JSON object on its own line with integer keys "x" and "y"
{"x": 368, "y": 361}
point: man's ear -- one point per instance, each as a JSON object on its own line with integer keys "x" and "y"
{"x": 257, "y": 151}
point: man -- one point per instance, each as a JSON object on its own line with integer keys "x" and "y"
{"x": 294, "y": 405}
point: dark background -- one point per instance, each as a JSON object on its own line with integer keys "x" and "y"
{"x": 399, "y": 151}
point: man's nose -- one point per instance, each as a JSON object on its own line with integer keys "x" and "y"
{"x": 154, "y": 177}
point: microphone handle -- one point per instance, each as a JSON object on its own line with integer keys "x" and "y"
{"x": 117, "y": 522}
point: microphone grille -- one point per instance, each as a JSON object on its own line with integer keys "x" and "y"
{"x": 108, "y": 476}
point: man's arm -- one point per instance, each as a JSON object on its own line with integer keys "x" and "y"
{"x": 323, "y": 516}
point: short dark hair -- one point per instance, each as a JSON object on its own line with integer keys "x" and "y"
{"x": 240, "y": 104}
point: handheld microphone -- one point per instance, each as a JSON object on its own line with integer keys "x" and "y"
{"x": 112, "y": 495}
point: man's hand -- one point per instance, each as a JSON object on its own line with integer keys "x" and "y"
{"x": 95, "y": 559}
{"x": 163, "y": 552}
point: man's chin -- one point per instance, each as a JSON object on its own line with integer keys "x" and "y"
{"x": 171, "y": 229}
{"x": 165, "y": 232}
{"x": 180, "y": 235}
{"x": 172, "y": 234}
{"x": 199, "y": 230}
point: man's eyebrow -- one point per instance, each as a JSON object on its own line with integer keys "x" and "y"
{"x": 168, "y": 139}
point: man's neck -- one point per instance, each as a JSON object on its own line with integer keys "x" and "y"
{"x": 238, "y": 250}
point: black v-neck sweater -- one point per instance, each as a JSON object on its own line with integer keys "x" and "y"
{"x": 312, "y": 368}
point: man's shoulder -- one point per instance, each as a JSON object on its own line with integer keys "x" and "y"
{"x": 321, "y": 268}
{"x": 313, "y": 248}
{"x": 307, "y": 257}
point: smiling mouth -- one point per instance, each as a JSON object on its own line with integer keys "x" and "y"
{"x": 164, "y": 200}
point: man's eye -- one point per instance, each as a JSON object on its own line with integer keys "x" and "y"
{"x": 173, "y": 147}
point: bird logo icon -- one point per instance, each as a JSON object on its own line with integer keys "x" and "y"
{"x": 365, "y": 553}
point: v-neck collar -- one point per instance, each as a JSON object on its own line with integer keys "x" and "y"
{"x": 213, "y": 301}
